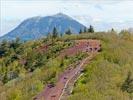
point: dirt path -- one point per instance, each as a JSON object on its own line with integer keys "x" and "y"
{"x": 56, "y": 92}
{"x": 71, "y": 74}
{"x": 69, "y": 85}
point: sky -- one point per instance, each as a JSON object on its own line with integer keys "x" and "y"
{"x": 96, "y": 12}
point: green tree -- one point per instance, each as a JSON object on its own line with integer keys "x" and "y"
{"x": 91, "y": 29}
{"x": 55, "y": 33}
{"x": 68, "y": 32}
{"x": 112, "y": 30}
{"x": 128, "y": 84}
{"x": 3, "y": 48}
{"x": 15, "y": 43}
{"x": 80, "y": 32}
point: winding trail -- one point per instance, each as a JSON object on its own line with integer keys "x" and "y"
{"x": 56, "y": 92}
{"x": 75, "y": 76}
{"x": 71, "y": 74}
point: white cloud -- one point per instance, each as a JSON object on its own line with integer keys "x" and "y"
{"x": 84, "y": 11}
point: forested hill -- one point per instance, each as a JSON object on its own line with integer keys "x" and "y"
{"x": 26, "y": 67}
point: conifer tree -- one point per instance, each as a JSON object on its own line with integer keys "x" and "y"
{"x": 91, "y": 29}
{"x": 80, "y": 32}
{"x": 68, "y": 32}
{"x": 55, "y": 33}
{"x": 112, "y": 30}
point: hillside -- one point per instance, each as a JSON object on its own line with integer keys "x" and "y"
{"x": 26, "y": 68}
{"x": 38, "y": 27}
{"x": 108, "y": 76}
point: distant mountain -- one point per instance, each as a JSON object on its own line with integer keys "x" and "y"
{"x": 37, "y": 27}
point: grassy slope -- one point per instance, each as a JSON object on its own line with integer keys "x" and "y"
{"x": 29, "y": 84}
{"x": 103, "y": 78}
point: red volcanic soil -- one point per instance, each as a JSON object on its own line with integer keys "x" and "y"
{"x": 52, "y": 92}
{"x": 87, "y": 45}
{"x": 82, "y": 46}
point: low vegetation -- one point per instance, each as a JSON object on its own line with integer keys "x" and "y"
{"x": 26, "y": 67}
{"x": 109, "y": 75}
{"x": 26, "y": 63}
